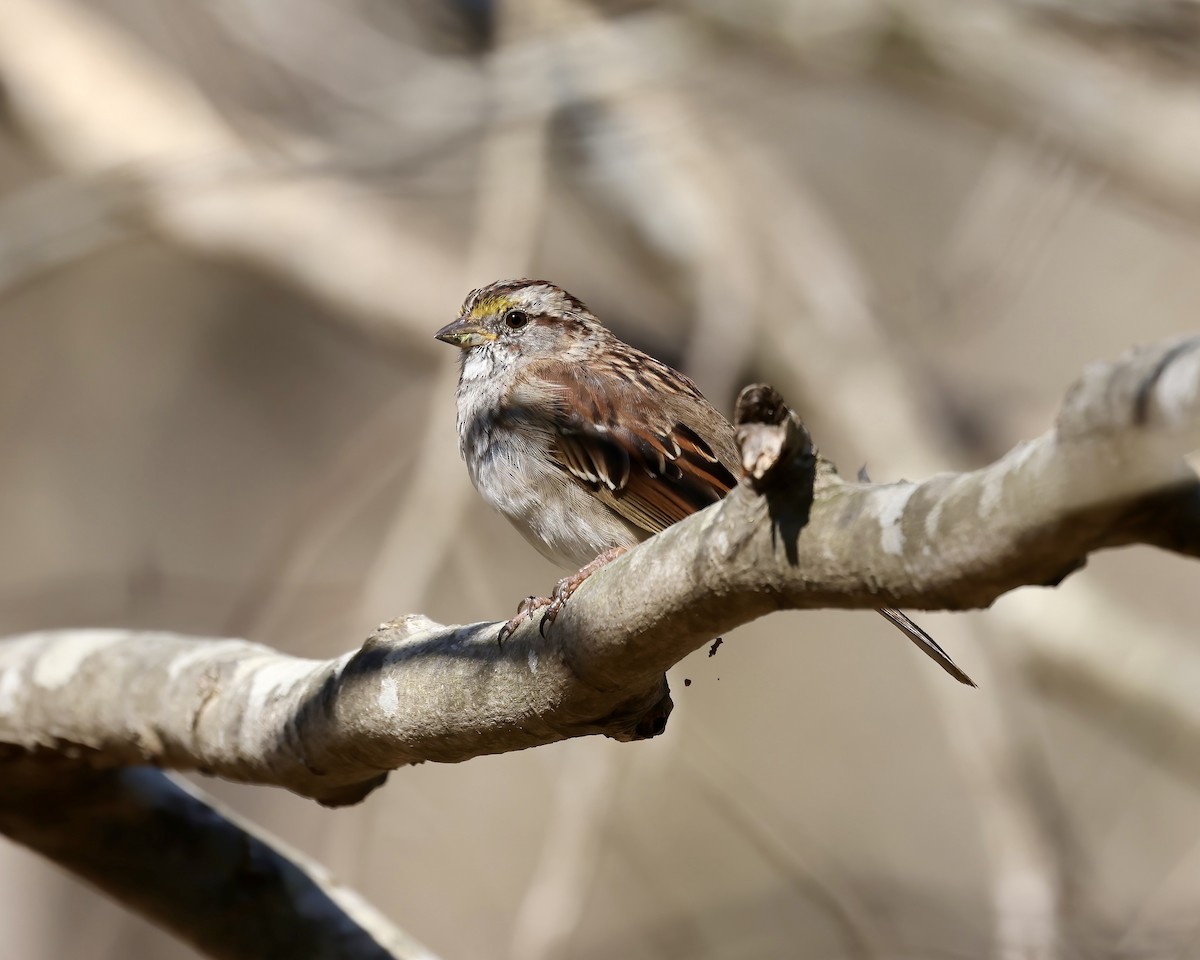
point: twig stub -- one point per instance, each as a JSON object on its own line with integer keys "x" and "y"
{"x": 768, "y": 433}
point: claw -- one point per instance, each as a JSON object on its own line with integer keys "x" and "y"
{"x": 568, "y": 585}
{"x": 525, "y": 611}
{"x": 558, "y": 597}
{"x": 552, "y": 610}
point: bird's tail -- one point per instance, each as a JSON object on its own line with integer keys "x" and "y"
{"x": 927, "y": 645}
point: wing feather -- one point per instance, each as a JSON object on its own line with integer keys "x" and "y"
{"x": 648, "y": 461}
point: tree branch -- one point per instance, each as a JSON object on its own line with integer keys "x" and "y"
{"x": 129, "y": 831}
{"x": 1110, "y": 473}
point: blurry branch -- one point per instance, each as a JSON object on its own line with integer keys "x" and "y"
{"x": 573, "y": 832}
{"x": 1139, "y": 124}
{"x": 1096, "y": 660}
{"x": 128, "y": 831}
{"x": 49, "y": 224}
{"x": 1109, "y": 474}
{"x": 848, "y": 362}
{"x": 1030, "y": 854}
{"x": 1166, "y": 29}
{"x": 199, "y": 184}
{"x": 648, "y": 152}
{"x": 1047, "y": 67}
{"x": 838, "y": 35}
{"x": 1000, "y": 240}
{"x": 437, "y": 477}
{"x": 402, "y": 91}
{"x": 812, "y": 876}
{"x": 832, "y": 31}
{"x": 507, "y": 221}
{"x": 367, "y": 463}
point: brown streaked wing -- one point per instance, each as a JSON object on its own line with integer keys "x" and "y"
{"x": 650, "y": 464}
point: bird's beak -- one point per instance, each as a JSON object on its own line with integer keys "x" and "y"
{"x": 464, "y": 332}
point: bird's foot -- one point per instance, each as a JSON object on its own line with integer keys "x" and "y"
{"x": 568, "y": 585}
{"x": 558, "y": 599}
{"x": 528, "y": 607}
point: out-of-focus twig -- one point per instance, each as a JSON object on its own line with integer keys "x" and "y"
{"x": 49, "y": 224}
{"x": 365, "y": 465}
{"x": 1016, "y": 814}
{"x": 828, "y": 339}
{"x": 1096, "y": 658}
{"x": 1000, "y": 240}
{"x": 406, "y": 92}
{"x": 820, "y": 883}
{"x": 512, "y": 183}
{"x": 1028, "y": 64}
{"x": 1139, "y": 125}
{"x": 845, "y": 356}
{"x": 839, "y": 36}
{"x": 649, "y": 154}
{"x": 200, "y": 184}
{"x": 556, "y": 896}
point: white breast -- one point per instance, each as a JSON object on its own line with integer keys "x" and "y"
{"x": 510, "y": 468}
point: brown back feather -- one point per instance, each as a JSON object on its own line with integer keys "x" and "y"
{"x": 654, "y": 465}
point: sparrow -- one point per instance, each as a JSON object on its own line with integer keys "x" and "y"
{"x": 587, "y": 445}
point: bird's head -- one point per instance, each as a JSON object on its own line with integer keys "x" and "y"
{"x": 513, "y": 318}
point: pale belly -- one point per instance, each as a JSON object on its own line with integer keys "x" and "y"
{"x": 562, "y": 520}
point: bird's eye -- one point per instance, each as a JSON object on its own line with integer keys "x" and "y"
{"x": 515, "y": 319}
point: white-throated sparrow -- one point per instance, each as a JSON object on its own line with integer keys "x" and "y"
{"x": 585, "y": 444}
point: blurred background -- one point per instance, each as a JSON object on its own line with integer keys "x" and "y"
{"x": 228, "y": 231}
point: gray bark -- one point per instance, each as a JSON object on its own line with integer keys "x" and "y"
{"x": 796, "y": 536}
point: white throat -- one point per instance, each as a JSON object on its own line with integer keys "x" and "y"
{"x": 477, "y": 365}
